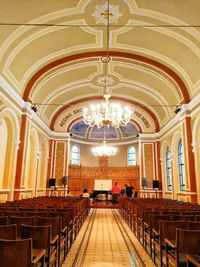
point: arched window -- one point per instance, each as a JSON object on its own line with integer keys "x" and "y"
{"x": 168, "y": 169}
{"x": 131, "y": 156}
{"x": 75, "y": 154}
{"x": 181, "y": 166}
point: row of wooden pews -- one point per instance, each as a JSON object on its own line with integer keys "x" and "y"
{"x": 40, "y": 230}
{"x": 169, "y": 230}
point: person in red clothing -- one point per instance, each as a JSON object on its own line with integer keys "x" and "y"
{"x": 115, "y": 192}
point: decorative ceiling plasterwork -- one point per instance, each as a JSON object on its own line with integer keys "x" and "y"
{"x": 46, "y": 82}
{"x": 101, "y": 14}
{"x": 133, "y": 9}
{"x": 101, "y": 80}
{"x": 168, "y": 75}
{"x": 128, "y": 56}
{"x": 44, "y": 64}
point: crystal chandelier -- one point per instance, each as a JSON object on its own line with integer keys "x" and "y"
{"x": 104, "y": 150}
{"x": 106, "y": 114}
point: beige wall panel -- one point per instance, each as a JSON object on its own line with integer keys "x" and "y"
{"x": 25, "y": 195}
{"x": 3, "y": 144}
{"x": 184, "y": 198}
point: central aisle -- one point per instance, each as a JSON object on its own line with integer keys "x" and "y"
{"x": 106, "y": 240}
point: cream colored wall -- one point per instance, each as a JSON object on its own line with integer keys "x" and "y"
{"x": 3, "y": 145}
{"x": 36, "y": 162}
{"x": 172, "y": 139}
{"x": 10, "y": 124}
{"x": 121, "y": 157}
{"x": 119, "y": 160}
{"x": 196, "y": 149}
{"x": 9, "y": 135}
{"x": 86, "y": 157}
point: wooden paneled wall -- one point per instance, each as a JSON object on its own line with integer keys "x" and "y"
{"x": 81, "y": 177}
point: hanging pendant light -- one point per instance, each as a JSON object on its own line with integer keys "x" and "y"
{"x": 104, "y": 150}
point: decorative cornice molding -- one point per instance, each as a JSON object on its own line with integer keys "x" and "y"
{"x": 61, "y": 136}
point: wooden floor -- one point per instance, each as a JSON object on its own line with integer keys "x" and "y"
{"x": 105, "y": 240}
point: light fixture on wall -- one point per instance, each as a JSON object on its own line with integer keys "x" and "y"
{"x": 34, "y": 107}
{"x": 104, "y": 150}
{"x": 106, "y": 113}
{"x": 177, "y": 108}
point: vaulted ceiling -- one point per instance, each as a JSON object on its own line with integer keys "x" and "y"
{"x": 52, "y": 54}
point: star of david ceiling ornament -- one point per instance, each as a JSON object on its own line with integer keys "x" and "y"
{"x": 102, "y": 13}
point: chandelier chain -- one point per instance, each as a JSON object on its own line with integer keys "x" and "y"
{"x": 106, "y": 113}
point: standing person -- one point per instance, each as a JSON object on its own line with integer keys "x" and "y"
{"x": 116, "y": 191}
{"x": 129, "y": 190}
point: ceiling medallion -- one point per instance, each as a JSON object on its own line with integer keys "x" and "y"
{"x": 102, "y": 13}
{"x": 101, "y": 80}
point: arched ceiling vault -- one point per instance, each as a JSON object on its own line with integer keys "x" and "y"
{"x": 126, "y": 67}
{"x": 166, "y": 71}
{"x": 52, "y": 56}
